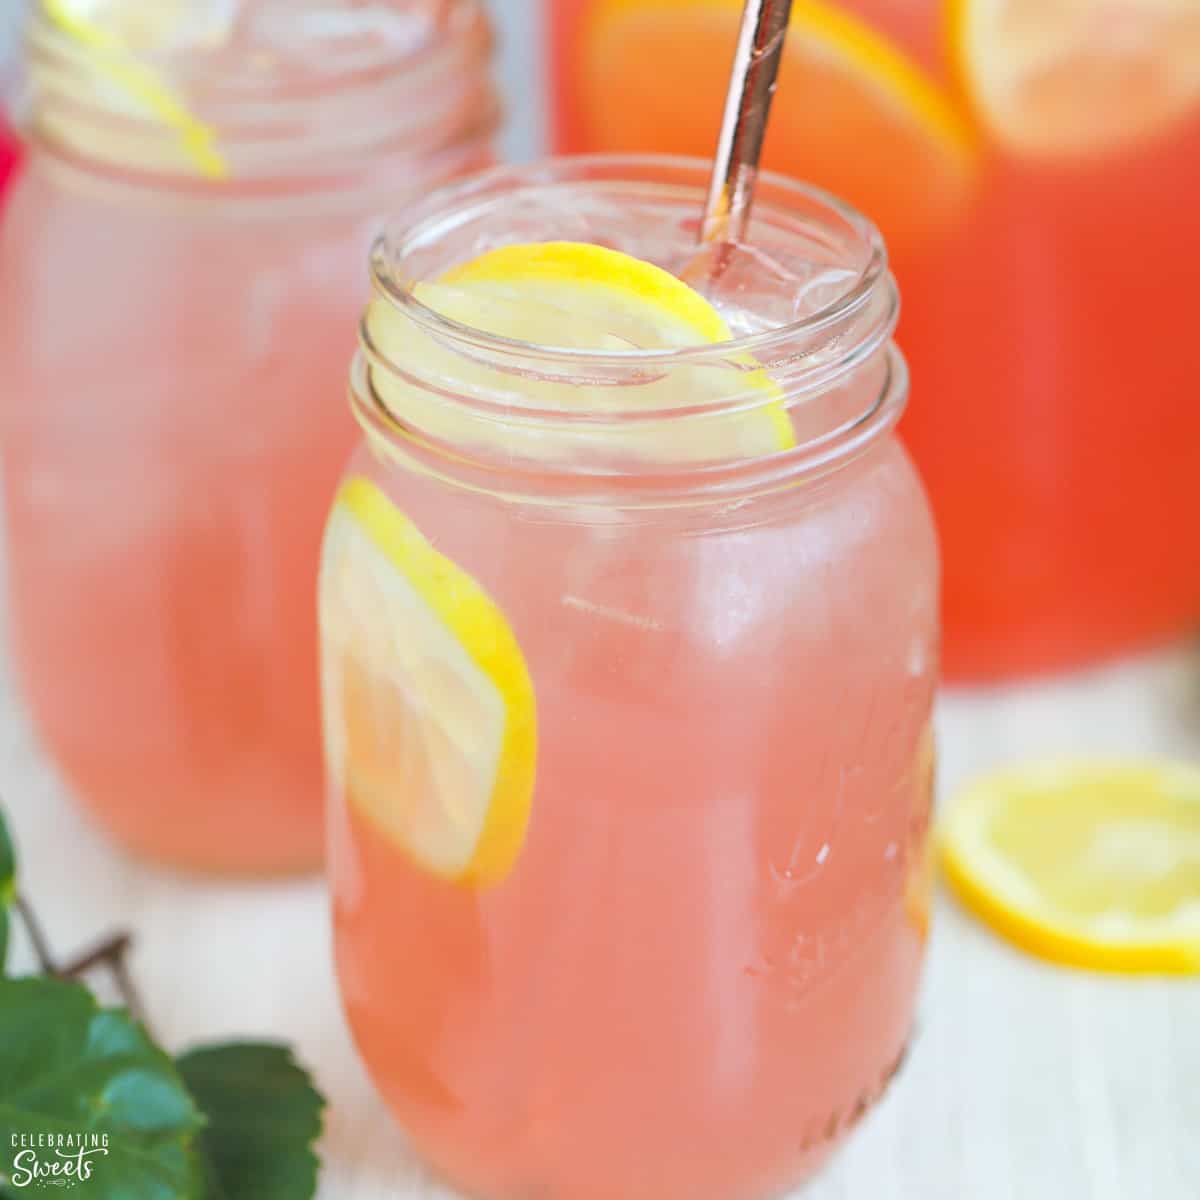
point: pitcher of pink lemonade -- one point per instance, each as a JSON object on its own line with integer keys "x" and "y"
{"x": 1034, "y": 166}
{"x": 629, "y": 643}
{"x": 180, "y": 291}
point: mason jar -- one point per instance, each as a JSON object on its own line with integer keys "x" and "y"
{"x": 181, "y": 280}
{"x": 628, "y": 726}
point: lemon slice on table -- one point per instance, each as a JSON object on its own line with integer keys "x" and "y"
{"x": 109, "y": 36}
{"x": 853, "y": 113}
{"x": 579, "y": 296}
{"x": 430, "y": 716}
{"x": 1092, "y": 865}
{"x": 1061, "y": 78}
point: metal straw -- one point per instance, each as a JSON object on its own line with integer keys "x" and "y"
{"x": 744, "y": 126}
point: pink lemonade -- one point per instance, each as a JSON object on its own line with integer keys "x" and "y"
{"x": 170, "y": 348}
{"x": 159, "y": 530}
{"x": 697, "y": 969}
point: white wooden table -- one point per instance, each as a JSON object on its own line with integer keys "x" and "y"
{"x": 1026, "y": 1082}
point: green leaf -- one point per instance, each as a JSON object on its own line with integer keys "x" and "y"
{"x": 263, "y": 1117}
{"x": 8, "y": 886}
{"x": 69, "y": 1067}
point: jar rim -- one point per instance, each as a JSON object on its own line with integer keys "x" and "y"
{"x": 312, "y": 118}
{"x": 471, "y": 405}
{"x": 495, "y": 187}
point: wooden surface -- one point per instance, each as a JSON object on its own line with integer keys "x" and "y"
{"x": 1026, "y": 1082}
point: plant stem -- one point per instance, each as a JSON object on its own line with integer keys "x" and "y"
{"x": 37, "y": 936}
{"x": 125, "y": 985}
{"x": 110, "y": 952}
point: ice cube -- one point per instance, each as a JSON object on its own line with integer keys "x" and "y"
{"x": 785, "y": 276}
{"x": 756, "y": 289}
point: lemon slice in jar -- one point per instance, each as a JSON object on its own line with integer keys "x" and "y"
{"x": 430, "y": 715}
{"x": 1092, "y": 865}
{"x": 580, "y": 296}
{"x": 109, "y": 35}
{"x": 1057, "y": 78}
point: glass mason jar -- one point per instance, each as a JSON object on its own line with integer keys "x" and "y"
{"x": 628, "y": 733}
{"x": 174, "y": 333}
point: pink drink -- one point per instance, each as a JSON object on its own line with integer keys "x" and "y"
{"x": 172, "y": 351}
{"x": 700, "y": 972}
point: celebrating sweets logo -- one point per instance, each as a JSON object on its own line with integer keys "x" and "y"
{"x": 55, "y": 1159}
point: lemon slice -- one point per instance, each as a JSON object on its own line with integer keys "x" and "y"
{"x": 1061, "y": 78}
{"x": 430, "y": 715}
{"x": 1093, "y": 865}
{"x": 624, "y": 294}
{"x": 108, "y": 42}
{"x": 853, "y": 112}
{"x": 579, "y": 296}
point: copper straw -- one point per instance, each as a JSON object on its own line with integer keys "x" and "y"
{"x": 744, "y": 127}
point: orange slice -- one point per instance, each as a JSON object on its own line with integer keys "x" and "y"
{"x": 853, "y": 114}
{"x": 1064, "y": 78}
